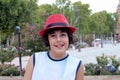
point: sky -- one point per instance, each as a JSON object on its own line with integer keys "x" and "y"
{"x": 95, "y": 5}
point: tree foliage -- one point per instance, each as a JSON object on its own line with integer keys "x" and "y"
{"x": 22, "y": 12}
{"x": 13, "y": 13}
{"x": 102, "y": 20}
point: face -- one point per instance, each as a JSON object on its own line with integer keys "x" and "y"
{"x": 58, "y": 41}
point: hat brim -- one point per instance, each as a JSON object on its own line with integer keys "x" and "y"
{"x": 41, "y": 32}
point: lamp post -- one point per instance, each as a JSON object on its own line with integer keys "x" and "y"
{"x": 101, "y": 36}
{"x": 0, "y": 38}
{"x": 113, "y": 35}
{"x": 0, "y": 42}
{"x": 19, "y": 48}
{"x": 71, "y": 8}
{"x": 78, "y": 29}
{"x": 31, "y": 14}
{"x": 94, "y": 35}
{"x": 112, "y": 41}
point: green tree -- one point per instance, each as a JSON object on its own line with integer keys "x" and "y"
{"x": 110, "y": 23}
{"x": 13, "y": 12}
{"x": 104, "y": 20}
{"x": 83, "y": 14}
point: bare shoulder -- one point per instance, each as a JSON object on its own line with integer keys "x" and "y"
{"x": 80, "y": 73}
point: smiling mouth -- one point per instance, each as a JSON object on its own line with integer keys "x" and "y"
{"x": 59, "y": 46}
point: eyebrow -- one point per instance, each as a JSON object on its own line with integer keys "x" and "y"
{"x": 53, "y": 31}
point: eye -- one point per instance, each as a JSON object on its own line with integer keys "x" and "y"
{"x": 63, "y": 34}
{"x": 52, "y": 35}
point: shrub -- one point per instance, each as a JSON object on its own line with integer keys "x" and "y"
{"x": 102, "y": 60}
{"x": 92, "y": 69}
{"x": 8, "y": 70}
{"x": 6, "y": 55}
{"x": 114, "y": 61}
{"x": 102, "y": 68}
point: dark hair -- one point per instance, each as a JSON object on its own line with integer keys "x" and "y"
{"x": 50, "y": 31}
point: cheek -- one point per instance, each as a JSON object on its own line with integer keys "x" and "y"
{"x": 67, "y": 41}
{"x": 51, "y": 41}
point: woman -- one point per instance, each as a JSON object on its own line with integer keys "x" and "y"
{"x": 55, "y": 64}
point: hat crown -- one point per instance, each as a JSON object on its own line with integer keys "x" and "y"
{"x": 56, "y": 21}
{"x": 56, "y": 18}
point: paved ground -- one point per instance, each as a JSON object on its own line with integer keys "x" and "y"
{"x": 114, "y": 77}
{"x": 87, "y": 55}
{"x": 10, "y": 78}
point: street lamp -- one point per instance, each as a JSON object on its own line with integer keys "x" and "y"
{"x": 101, "y": 36}
{"x": 31, "y": 13}
{"x": 19, "y": 48}
{"x": 94, "y": 35}
{"x": 78, "y": 29}
{"x": 114, "y": 28}
{"x": 71, "y": 8}
{"x": 0, "y": 38}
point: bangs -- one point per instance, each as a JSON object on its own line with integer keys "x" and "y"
{"x": 51, "y": 31}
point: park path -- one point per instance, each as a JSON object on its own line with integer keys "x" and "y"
{"x": 114, "y": 77}
{"x": 87, "y": 55}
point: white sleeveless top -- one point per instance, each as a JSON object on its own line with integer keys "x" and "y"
{"x": 46, "y": 68}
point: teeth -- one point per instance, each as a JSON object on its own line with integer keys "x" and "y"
{"x": 60, "y": 45}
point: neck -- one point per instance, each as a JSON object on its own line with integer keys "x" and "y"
{"x": 57, "y": 55}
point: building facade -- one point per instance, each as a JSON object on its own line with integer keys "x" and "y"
{"x": 117, "y": 27}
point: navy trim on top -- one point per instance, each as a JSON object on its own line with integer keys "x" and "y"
{"x": 33, "y": 59}
{"x": 56, "y": 59}
{"x": 78, "y": 66}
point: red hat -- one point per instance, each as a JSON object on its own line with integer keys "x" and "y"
{"x": 56, "y": 21}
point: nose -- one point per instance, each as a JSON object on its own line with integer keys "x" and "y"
{"x": 58, "y": 38}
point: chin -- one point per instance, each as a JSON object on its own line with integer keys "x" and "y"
{"x": 60, "y": 51}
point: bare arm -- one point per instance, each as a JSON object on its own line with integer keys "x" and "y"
{"x": 29, "y": 69}
{"x": 80, "y": 73}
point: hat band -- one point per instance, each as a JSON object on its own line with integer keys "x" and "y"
{"x": 57, "y": 24}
